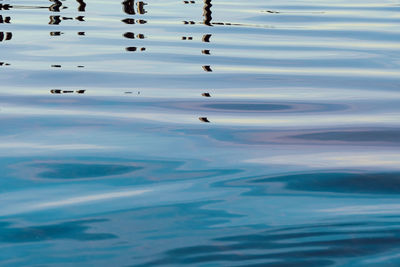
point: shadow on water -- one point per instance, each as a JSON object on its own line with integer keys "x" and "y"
{"x": 309, "y": 245}
{"x": 392, "y": 136}
{"x": 355, "y": 137}
{"x": 79, "y": 171}
{"x": 135, "y": 171}
{"x": 76, "y": 230}
{"x": 334, "y": 182}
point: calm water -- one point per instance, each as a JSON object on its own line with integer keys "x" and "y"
{"x": 191, "y": 133}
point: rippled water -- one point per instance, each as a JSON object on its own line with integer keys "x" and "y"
{"x": 215, "y": 133}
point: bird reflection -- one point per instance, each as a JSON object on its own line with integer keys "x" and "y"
{"x": 5, "y": 36}
{"x": 207, "y": 12}
{"x": 5, "y": 19}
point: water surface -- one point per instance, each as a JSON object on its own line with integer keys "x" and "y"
{"x": 199, "y": 133}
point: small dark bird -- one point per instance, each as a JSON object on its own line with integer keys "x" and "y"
{"x": 206, "y": 94}
{"x": 206, "y": 38}
{"x": 80, "y": 91}
{"x": 128, "y": 21}
{"x": 55, "y": 33}
{"x": 55, "y": 91}
{"x": 207, "y": 68}
{"x": 131, "y": 49}
{"x": 204, "y": 119}
{"x": 129, "y": 35}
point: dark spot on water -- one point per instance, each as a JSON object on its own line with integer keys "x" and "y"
{"x": 354, "y": 136}
{"x": 204, "y": 119}
{"x": 351, "y": 183}
{"x": 318, "y": 244}
{"x": 82, "y": 171}
{"x": 247, "y": 107}
{"x": 76, "y": 230}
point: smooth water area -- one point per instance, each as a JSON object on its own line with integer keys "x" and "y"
{"x": 200, "y": 133}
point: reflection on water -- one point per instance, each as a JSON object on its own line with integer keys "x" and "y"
{"x": 199, "y": 133}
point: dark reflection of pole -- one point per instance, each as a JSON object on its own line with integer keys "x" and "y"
{"x": 5, "y": 19}
{"x": 5, "y": 7}
{"x": 140, "y": 8}
{"x": 55, "y": 20}
{"x": 207, "y": 12}
{"x": 56, "y": 6}
{"x": 206, "y": 38}
{"x": 5, "y": 36}
{"x": 82, "y": 5}
{"x": 129, "y": 7}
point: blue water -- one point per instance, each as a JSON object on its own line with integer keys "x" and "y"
{"x": 200, "y": 133}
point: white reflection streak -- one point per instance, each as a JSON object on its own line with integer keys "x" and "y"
{"x": 55, "y": 147}
{"x": 369, "y": 209}
{"x": 90, "y": 198}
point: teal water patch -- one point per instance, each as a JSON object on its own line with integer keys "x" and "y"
{"x": 82, "y": 171}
